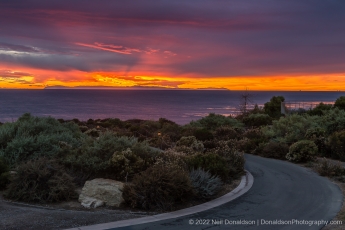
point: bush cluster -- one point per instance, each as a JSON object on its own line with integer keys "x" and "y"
{"x": 204, "y": 183}
{"x": 4, "y": 173}
{"x": 42, "y": 181}
{"x": 329, "y": 168}
{"x": 302, "y": 151}
{"x": 33, "y": 137}
{"x": 158, "y": 188}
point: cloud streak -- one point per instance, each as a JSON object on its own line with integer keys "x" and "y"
{"x": 177, "y": 39}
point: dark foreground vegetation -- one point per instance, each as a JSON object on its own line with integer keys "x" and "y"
{"x": 162, "y": 163}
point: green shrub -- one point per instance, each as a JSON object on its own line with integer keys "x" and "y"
{"x": 302, "y": 151}
{"x": 273, "y": 107}
{"x": 95, "y": 157}
{"x": 246, "y": 145}
{"x": 4, "y": 173}
{"x": 291, "y": 128}
{"x": 319, "y": 109}
{"x": 172, "y": 158}
{"x": 336, "y": 142}
{"x": 274, "y": 149}
{"x": 233, "y": 157}
{"x": 158, "y": 188}
{"x": 203, "y": 134}
{"x": 333, "y": 120}
{"x": 318, "y": 136}
{"x": 204, "y": 183}
{"x": 116, "y": 122}
{"x": 33, "y": 137}
{"x": 213, "y": 121}
{"x": 329, "y": 168}
{"x": 340, "y": 103}
{"x": 215, "y": 164}
{"x": 256, "y": 120}
{"x": 190, "y": 142}
{"x": 226, "y": 133}
{"x": 126, "y": 164}
{"x": 41, "y": 180}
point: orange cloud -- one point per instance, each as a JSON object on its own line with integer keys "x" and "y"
{"x": 31, "y": 78}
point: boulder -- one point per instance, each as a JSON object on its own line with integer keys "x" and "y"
{"x": 99, "y": 192}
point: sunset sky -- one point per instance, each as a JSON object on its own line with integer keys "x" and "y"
{"x": 187, "y": 44}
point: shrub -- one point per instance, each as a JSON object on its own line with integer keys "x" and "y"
{"x": 4, "y": 173}
{"x": 330, "y": 168}
{"x": 256, "y": 120}
{"x": 172, "y": 158}
{"x": 203, "y": 134}
{"x": 126, "y": 163}
{"x": 33, "y": 137}
{"x": 336, "y": 142}
{"x": 319, "y": 109}
{"x": 213, "y": 121}
{"x": 333, "y": 120}
{"x": 41, "y": 180}
{"x": 158, "y": 188}
{"x": 214, "y": 163}
{"x": 204, "y": 183}
{"x": 246, "y": 145}
{"x": 94, "y": 156}
{"x": 317, "y": 135}
{"x": 340, "y": 103}
{"x": 273, "y": 107}
{"x": 302, "y": 151}
{"x": 190, "y": 142}
{"x": 274, "y": 149}
{"x": 233, "y": 157}
{"x": 291, "y": 128}
{"x": 226, "y": 133}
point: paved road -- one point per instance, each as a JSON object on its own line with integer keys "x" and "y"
{"x": 281, "y": 191}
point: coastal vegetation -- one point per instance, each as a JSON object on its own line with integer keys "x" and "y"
{"x": 162, "y": 164}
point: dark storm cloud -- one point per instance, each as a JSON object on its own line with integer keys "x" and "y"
{"x": 213, "y": 38}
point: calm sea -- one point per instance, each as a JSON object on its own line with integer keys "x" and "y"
{"x": 180, "y": 106}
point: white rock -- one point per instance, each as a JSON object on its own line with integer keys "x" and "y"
{"x": 100, "y": 192}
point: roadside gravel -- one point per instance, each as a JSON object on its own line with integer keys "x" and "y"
{"x": 18, "y": 216}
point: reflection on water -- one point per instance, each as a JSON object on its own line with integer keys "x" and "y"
{"x": 180, "y": 106}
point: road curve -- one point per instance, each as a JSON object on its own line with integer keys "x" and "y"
{"x": 281, "y": 191}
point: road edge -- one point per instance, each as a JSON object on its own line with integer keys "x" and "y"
{"x": 247, "y": 181}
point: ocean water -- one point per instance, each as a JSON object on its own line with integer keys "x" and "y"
{"x": 181, "y": 106}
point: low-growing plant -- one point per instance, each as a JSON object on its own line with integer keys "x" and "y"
{"x": 158, "y": 188}
{"x": 329, "y": 168}
{"x": 189, "y": 145}
{"x": 226, "y": 133}
{"x": 95, "y": 157}
{"x": 336, "y": 143}
{"x": 302, "y": 151}
{"x": 203, "y": 134}
{"x": 4, "y": 173}
{"x": 318, "y": 136}
{"x": 33, "y": 137}
{"x": 275, "y": 149}
{"x": 172, "y": 158}
{"x": 126, "y": 164}
{"x": 213, "y": 121}
{"x": 291, "y": 128}
{"x": 319, "y": 109}
{"x": 234, "y": 159}
{"x": 204, "y": 183}
{"x": 42, "y": 181}
{"x": 256, "y": 120}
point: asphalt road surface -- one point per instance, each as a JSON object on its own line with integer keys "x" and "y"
{"x": 282, "y": 192}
